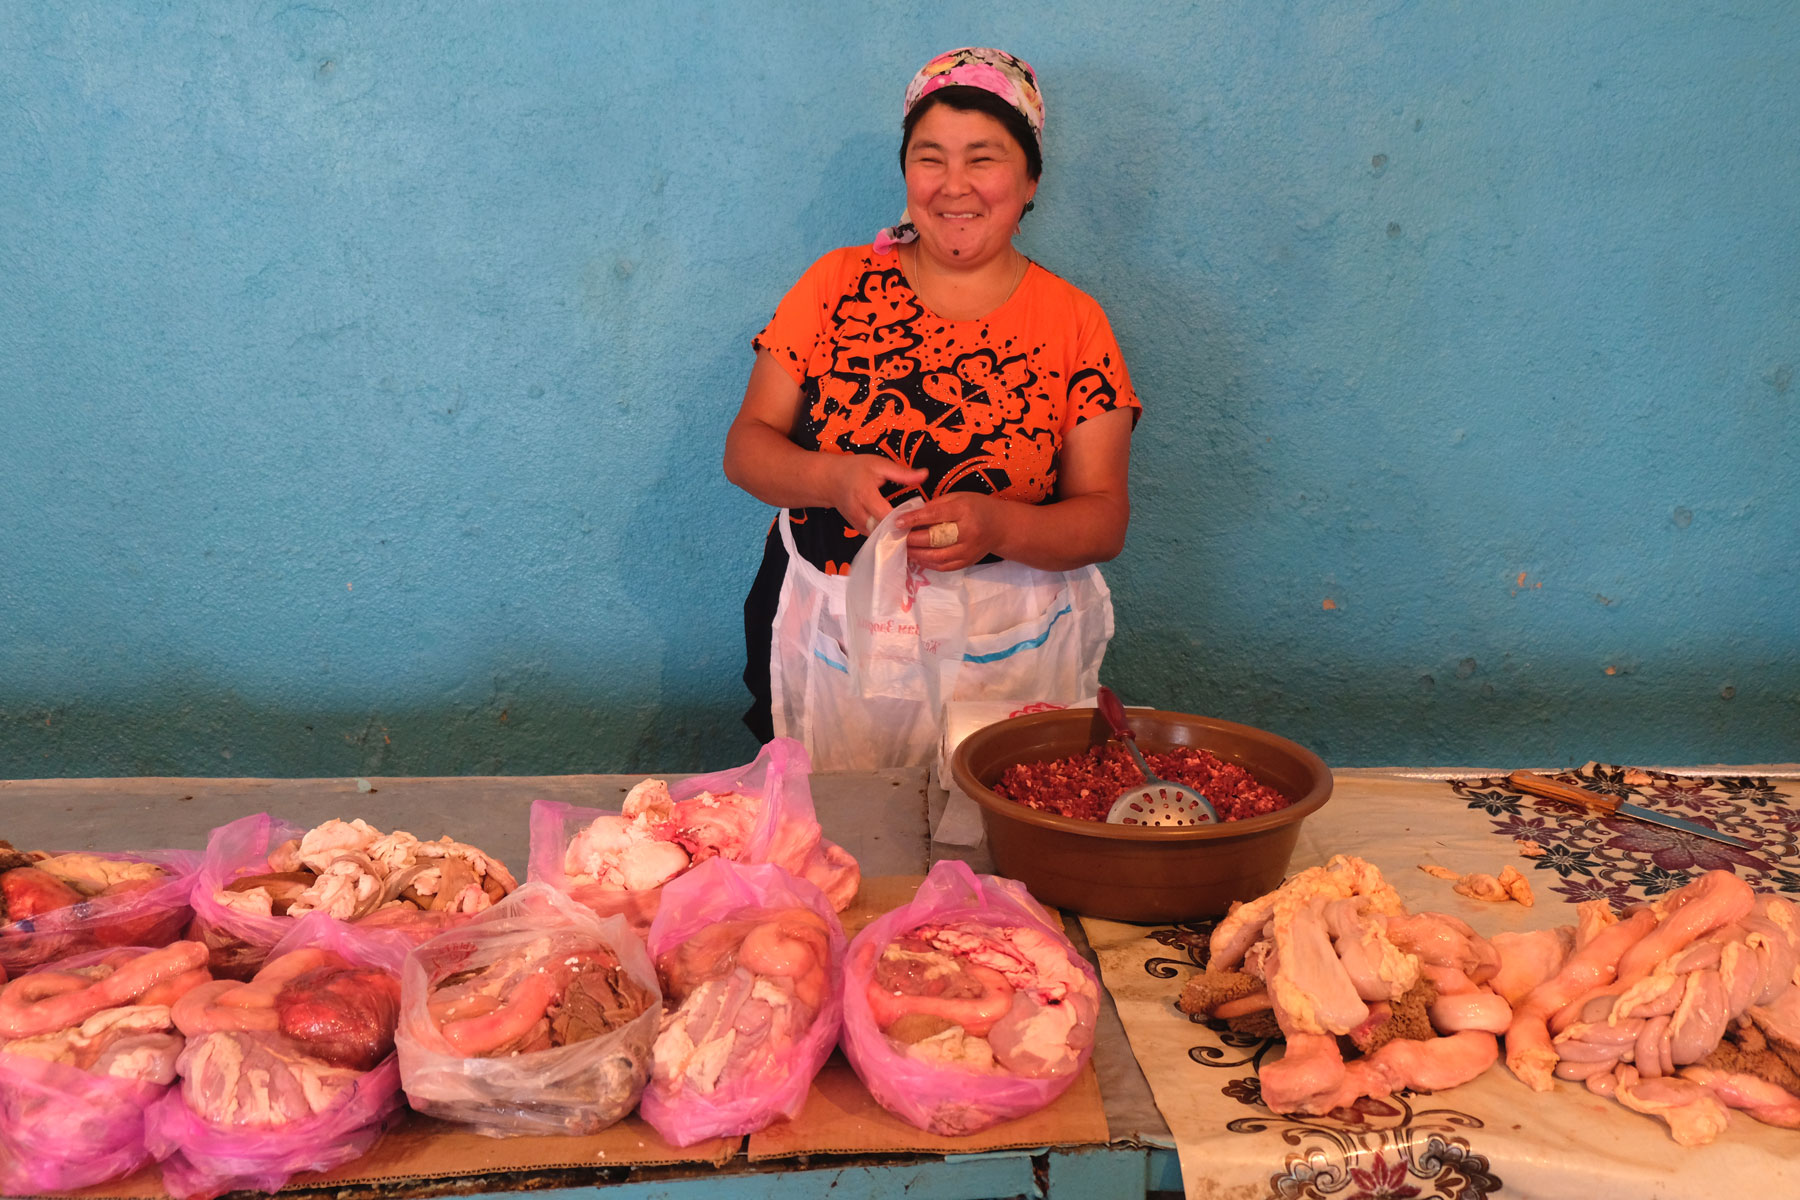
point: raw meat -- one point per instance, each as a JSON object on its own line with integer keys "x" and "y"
{"x": 616, "y": 863}
{"x": 261, "y": 1080}
{"x": 738, "y": 1015}
{"x": 48, "y": 1000}
{"x": 344, "y": 1016}
{"x": 55, "y": 906}
{"x": 1085, "y": 786}
{"x": 98, "y": 1046}
{"x": 967, "y": 1006}
{"x": 1681, "y": 1011}
{"x": 350, "y": 869}
{"x": 1336, "y": 955}
{"x": 130, "y": 1042}
{"x": 535, "y": 1017}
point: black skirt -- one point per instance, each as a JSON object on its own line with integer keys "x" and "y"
{"x": 759, "y": 633}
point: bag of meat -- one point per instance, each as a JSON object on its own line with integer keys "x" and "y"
{"x": 617, "y": 863}
{"x": 968, "y": 1006}
{"x": 751, "y": 962}
{"x": 291, "y": 1071}
{"x": 260, "y": 873}
{"x": 53, "y": 906}
{"x": 86, "y": 1045}
{"x": 534, "y": 1018}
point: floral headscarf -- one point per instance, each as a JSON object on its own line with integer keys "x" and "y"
{"x": 996, "y": 71}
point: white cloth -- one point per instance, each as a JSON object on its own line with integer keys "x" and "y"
{"x": 860, "y": 669}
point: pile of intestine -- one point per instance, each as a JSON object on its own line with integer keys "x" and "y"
{"x": 109, "y": 1013}
{"x": 1333, "y": 954}
{"x": 1682, "y": 1008}
{"x": 540, "y": 996}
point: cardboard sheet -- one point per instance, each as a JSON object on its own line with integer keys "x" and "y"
{"x": 841, "y": 1117}
{"x": 420, "y": 1148}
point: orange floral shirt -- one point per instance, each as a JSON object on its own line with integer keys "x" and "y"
{"x": 982, "y": 405}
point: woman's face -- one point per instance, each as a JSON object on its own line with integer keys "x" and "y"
{"x": 966, "y": 186}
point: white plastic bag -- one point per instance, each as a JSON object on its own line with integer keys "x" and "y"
{"x": 862, "y": 666}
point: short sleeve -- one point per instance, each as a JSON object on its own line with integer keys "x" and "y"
{"x": 793, "y": 333}
{"x": 1099, "y": 381}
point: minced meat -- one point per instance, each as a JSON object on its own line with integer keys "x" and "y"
{"x": 1086, "y": 785}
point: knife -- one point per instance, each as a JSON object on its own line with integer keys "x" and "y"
{"x": 1556, "y": 789}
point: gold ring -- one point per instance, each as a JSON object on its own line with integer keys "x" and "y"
{"x": 943, "y": 534}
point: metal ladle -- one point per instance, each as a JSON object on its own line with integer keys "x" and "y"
{"x": 1158, "y": 801}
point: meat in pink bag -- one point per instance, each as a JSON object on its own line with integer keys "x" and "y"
{"x": 148, "y": 911}
{"x": 616, "y": 863}
{"x": 967, "y": 1006}
{"x": 82, "y": 1064}
{"x": 752, "y": 963}
{"x": 63, "y": 1128}
{"x": 255, "y": 1107}
{"x": 239, "y": 939}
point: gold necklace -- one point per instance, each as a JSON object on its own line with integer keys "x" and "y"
{"x": 915, "y": 271}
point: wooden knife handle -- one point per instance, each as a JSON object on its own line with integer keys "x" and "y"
{"x": 1556, "y": 789}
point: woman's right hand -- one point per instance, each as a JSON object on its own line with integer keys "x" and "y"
{"x": 761, "y": 457}
{"x": 857, "y": 483}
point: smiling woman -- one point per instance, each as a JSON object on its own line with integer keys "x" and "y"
{"x": 938, "y": 364}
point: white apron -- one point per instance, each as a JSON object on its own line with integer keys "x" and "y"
{"x": 860, "y": 668}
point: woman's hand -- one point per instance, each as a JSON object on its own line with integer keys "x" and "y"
{"x": 857, "y": 480}
{"x": 761, "y": 457}
{"x": 1084, "y": 524}
{"x": 981, "y": 522}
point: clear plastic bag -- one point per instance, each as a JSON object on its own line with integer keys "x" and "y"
{"x": 201, "y": 1159}
{"x": 151, "y": 915}
{"x": 579, "y": 1088}
{"x": 952, "y": 1100}
{"x": 721, "y": 902}
{"x": 785, "y": 832}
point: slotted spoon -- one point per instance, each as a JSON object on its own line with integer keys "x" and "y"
{"x": 1158, "y": 801}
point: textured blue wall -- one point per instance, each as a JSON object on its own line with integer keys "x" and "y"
{"x": 364, "y": 372}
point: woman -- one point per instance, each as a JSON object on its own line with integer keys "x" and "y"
{"x": 939, "y": 363}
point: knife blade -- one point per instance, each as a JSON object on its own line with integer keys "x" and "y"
{"x": 1556, "y": 789}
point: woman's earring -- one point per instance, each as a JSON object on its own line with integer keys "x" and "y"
{"x": 1029, "y": 205}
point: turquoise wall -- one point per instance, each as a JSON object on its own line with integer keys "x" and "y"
{"x": 364, "y": 370}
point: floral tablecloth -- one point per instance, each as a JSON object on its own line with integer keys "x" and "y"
{"x": 1494, "y": 1136}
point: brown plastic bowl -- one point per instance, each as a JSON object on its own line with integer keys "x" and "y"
{"x": 1129, "y": 872}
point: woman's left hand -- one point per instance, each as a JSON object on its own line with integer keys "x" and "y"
{"x": 980, "y": 520}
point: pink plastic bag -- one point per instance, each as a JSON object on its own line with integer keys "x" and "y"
{"x": 575, "y": 1089}
{"x": 1039, "y": 965}
{"x": 150, "y": 916}
{"x": 241, "y": 941}
{"x": 785, "y": 832}
{"x": 62, "y": 1127}
{"x": 710, "y": 910}
{"x": 201, "y": 1159}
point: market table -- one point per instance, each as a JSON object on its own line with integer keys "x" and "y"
{"x": 1489, "y": 1138}
{"x": 881, "y": 817}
